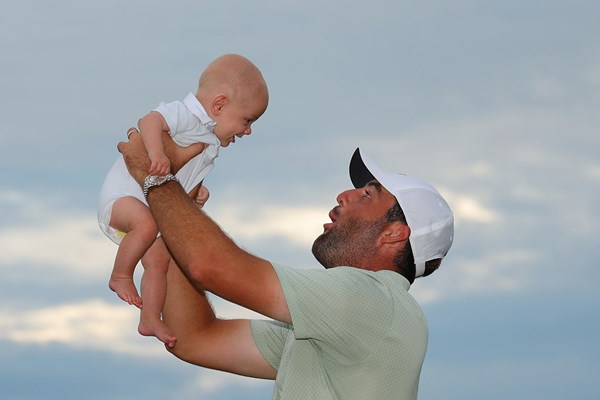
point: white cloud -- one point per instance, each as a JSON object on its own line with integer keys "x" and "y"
{"x": 72, "y": 243}
{"x": 498, "y": 272}
{"x": 299, "y": 225}
{"x": 91, "y": 324}
{"x": 426, "y": 294}
{"x": 58, "y": 238}
{"x": 592, "y": 171}
{"x": 468, "y": 208}
{"x": 495, "y": 272}
{"x": 210, "y": 381}
{"x": 228, "y": 310}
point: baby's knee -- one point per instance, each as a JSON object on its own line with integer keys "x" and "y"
{"x": 156, "y": 261}
{"x": 147, "y": 229}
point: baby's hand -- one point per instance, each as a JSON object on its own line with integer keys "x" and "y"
{"x": 159, "y": 164}
{"x": 202, "y": 196}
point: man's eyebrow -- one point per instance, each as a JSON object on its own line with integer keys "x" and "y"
{"x": 375, "y": 184}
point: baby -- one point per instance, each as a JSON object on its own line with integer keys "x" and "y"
{"x": 231, "y": 95}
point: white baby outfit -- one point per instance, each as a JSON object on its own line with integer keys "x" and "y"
{"x": 188, "y": 124}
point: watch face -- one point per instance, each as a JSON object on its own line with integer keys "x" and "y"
{"x": 153, "y": 180}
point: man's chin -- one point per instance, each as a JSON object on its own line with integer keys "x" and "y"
{"x": 321, "y": 237}
{"x": 320, "y": 250}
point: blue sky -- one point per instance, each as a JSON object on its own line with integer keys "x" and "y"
{"x": 496, "y": 103}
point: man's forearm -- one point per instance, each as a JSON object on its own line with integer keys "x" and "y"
{"x": 202, "y": 339}
{"x": 186, "y": 311}
{"x": 193, "y": 239}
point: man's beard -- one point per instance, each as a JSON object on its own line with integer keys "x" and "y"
{"x": 347, "y": 244}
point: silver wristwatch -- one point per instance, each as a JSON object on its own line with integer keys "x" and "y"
{"x": 154, "y": 180}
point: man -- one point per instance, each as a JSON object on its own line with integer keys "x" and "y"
{"x": 350, "y": 331}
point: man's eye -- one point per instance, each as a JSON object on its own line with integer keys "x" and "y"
{"x": 367, "y": 193}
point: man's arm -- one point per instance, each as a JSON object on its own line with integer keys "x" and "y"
{"x": 210, "y": 260}
{"x": 206, "y": 255}
{"x": 204, "y": 340}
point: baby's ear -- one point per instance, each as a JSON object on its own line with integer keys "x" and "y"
{"x": 219, "y": 102}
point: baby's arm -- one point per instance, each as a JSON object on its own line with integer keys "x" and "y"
{"x": 152, "y": 126}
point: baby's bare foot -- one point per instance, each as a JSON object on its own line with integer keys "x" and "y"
{"x": 155, "y": 327}
{"x": 125, "y": 289}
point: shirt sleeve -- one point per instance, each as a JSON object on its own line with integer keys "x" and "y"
{"x": 175, "y": 115}
{"x": 270, "y": 338}
{"x": 345, "y": 311}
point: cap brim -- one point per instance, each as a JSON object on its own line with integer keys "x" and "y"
{"x": 364, "y": 170}
{"x": 360, "y": 174}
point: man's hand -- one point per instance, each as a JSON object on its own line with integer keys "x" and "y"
{"x": 135, "y": 156}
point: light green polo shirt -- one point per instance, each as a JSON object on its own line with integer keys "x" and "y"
{"x": 356, "y": 335}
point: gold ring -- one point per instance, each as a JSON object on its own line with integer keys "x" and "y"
{"x": 130, "y": 131}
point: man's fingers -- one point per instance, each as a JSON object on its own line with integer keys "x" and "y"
{"x": 131, "y": 131}
{"x": 121, "y": 147}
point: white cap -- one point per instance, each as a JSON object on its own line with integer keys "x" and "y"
{"x": 428, "y": 216}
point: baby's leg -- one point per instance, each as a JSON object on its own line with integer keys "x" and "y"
{"x": 154, "y": 289}
{"x": 133, "y": 217}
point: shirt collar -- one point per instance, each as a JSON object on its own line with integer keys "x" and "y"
{"x": 196, "y": 108}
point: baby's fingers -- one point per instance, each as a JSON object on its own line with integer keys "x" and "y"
{"x": 154, "y": 169}
{"x": 165, "y": 169}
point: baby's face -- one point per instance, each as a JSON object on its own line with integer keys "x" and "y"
{"x": 236, "y": 119}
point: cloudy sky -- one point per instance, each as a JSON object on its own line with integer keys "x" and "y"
{"x": 494, "y": 102}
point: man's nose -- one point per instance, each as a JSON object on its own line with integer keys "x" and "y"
{"x": 346, "y": 196}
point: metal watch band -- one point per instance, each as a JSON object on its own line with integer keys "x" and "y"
{"x": 154, "y": 180}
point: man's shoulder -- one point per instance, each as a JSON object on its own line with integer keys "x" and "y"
{"x": 342, "y": 271}
{"x": 342, "y": 279}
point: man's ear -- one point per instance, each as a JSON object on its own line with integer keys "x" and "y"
{"x": 219, "y": 102}
{"x": 394, "y": 232}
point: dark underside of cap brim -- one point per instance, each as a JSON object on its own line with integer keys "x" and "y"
{"x": 359, "y": 174}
